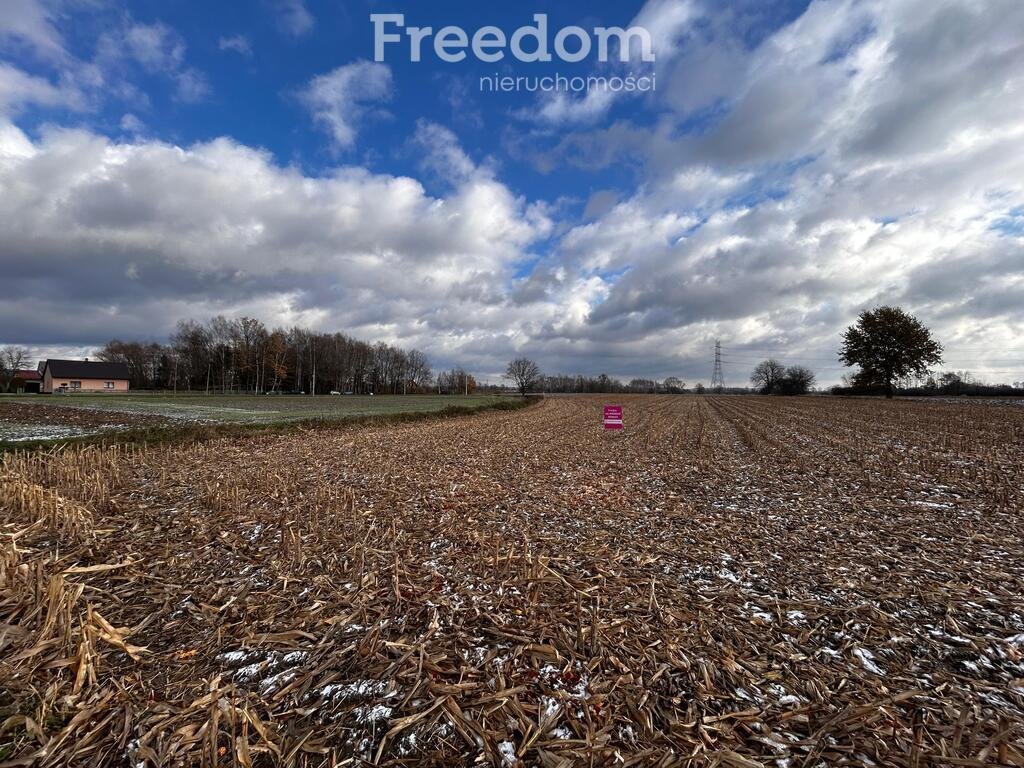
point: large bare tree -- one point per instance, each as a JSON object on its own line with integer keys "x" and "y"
{"x": 524, "y": 372}
{"x": 767, "y": 376}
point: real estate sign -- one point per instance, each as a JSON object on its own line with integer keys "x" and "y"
{"x": 613, "y": 417}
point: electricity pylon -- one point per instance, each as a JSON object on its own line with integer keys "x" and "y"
{"x": 717, "y": 380}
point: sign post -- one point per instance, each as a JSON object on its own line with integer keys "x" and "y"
{"x": 613, "y": 417}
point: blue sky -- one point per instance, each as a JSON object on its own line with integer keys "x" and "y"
{"x": 796, "y": 163}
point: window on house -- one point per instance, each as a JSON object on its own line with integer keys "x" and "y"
{"x": 108, "y": 385}
{"x": 76, "y": 385}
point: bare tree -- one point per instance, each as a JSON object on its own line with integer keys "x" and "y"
{"x": 12, "y": 359}
{"x": 418, "y": 369}
{"x": 524, "y": 372}
{"x": 674, "y": 385}
{"x": 767, "y": 376}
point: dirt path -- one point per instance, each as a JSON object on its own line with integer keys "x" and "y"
{"x": 788, "y": 582}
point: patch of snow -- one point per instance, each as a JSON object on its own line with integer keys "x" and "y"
{"x": 406, "y": 745}
{"x": 507, "y": 750}
{"x": 249, "y": 673}
{"x": 360, "y": 689}
{"x": 371, "y": 714}
{"x": 273, "y": 684}
{"x": 868, "y": 660}
{"x": 549, "y": 708}
{"x": 236, "y": 657}
{"x": 728, "y": 576}
{"x": 758, "y": 612}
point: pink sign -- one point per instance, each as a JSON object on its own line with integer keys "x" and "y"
{"x": 613, "y": 417}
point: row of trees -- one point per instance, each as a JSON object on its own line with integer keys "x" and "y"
{"x": 456, "y": 382}
{"x": 243, "y": 355}
{"x": 526, "y": 376}
{"x": 961, "y": 383}
{"x": 885, "y": 344}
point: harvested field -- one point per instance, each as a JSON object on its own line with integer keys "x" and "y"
{"x": 22, "y": 421}
{"x": 732, "y": 581}
{"x": 35, "y": 418}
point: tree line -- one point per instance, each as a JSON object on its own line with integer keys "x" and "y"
{"x": 526, "y": 376}
{"x": 245, "y": 356}
{"x": 892, "y": 350}
{"x": 888, "y": 346}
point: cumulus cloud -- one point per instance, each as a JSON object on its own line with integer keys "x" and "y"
{"x": 864, "y": 153}
{"x": 129, "y": 236}
{"x": 340, "y": 99}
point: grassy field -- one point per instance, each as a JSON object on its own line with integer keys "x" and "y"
{"x": 40, "y": 418}
{"x": 729, "y": 581}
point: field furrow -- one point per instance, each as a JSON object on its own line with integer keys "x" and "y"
{"x": 730, "y": 581}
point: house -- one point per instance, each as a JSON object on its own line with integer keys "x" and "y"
{"x": 84, "y": 376}
{"x": 26, "y": 381}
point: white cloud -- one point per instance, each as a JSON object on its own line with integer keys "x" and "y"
{"x": 342, "y": 98}
{"x": 131, "y": 123}
{"x": 294, "y": 18}
{"x": 155, "y": 46}
{"x": 135, "y": 235}
{"x": 240, "y": 44}
{"x": 157, "y": 49}
{"x": 667, "y": 22}
{"x": 862, "y": 154}
{"x": 192, "y": 85}
{"x": 19, "y": 89}
{"x": 29, "y": 22}
{"x": 441, "y": 153}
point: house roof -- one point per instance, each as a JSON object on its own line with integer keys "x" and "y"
{"x": 86, "y": 369}
{"x": 26, "y": 375}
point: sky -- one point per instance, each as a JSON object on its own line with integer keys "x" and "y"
{"x": 794, "y": 164}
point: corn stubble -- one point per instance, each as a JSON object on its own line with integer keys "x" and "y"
{"x": 731, "y": 581}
